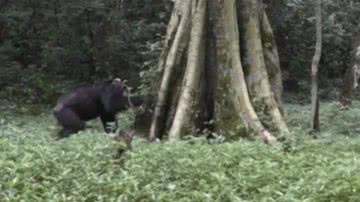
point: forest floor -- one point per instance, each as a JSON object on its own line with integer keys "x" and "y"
{"x": 36, "y": 167}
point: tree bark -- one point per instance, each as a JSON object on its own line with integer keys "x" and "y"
{"x": 315, "y": 122}
{"x": 351, "y": 76}
{"x": 169, "y": 59}
{"x": 194, "y": 68}
{"x": 257, "y": 71}
{"x": 238, "y": 87}
{"x": 212, "y": 92}
{"x": 272, "y": 59}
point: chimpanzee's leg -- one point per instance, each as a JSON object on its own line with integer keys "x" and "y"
{"x": 69, "y": 120}
{"x": 105, "y": 119}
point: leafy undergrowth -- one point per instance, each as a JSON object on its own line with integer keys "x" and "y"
{"x": 36, "y": 167}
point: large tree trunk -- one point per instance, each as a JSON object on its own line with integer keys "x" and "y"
{"x": 272, "y": 60}
{"x": 215, "y": 86}
{"x": 315, "y": 122}
{"x": 258, "y": 79}
{"x": 175, "y": 44}
{"x": 194, "y": 67}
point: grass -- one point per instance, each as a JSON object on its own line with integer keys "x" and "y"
{"x": 36, "y": 167}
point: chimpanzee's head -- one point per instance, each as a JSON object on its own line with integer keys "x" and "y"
{"x": 114, "y": 95}
{"x": 118, "y": 87}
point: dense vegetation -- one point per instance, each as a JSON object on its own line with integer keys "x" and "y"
{"x": 35, "y": 167}
{"x": 295, "y": 33}
{"x": 45, "y": 45}
{"x": 44, "y": 42}
{"x": 48, "y": 47}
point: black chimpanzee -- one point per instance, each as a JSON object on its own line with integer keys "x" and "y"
{"x": 87, "y": 102}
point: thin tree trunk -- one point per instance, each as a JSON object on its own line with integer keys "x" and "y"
{"x": 56, "y": 7}
{"x": 123, "y": 6}
{"x": 92, "y": 61}
{"x": 348, "y": 85}
{"x": 3, "y": 32}
{"x": 351, "y": 77}
{"x": 315, "y": 122}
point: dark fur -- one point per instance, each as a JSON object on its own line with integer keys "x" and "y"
{"x": 88, "y": 102}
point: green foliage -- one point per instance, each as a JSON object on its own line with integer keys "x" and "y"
{"x": 78, "y": 40}
{"x": 81, "y": 40}
{"x": 33, "y": 87}
{"x": 294, "y": 25}
{"x": 333, "y": 121}
{"x": 36, "y": 167}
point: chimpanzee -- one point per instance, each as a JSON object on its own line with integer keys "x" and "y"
{"x": 87, "y": 102}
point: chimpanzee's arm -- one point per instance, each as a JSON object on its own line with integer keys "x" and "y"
{"x": 106, "y": 100}
{"x": 105, "y": 119}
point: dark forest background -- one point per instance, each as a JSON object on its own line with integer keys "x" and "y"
{"x": 48, "y": 46}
